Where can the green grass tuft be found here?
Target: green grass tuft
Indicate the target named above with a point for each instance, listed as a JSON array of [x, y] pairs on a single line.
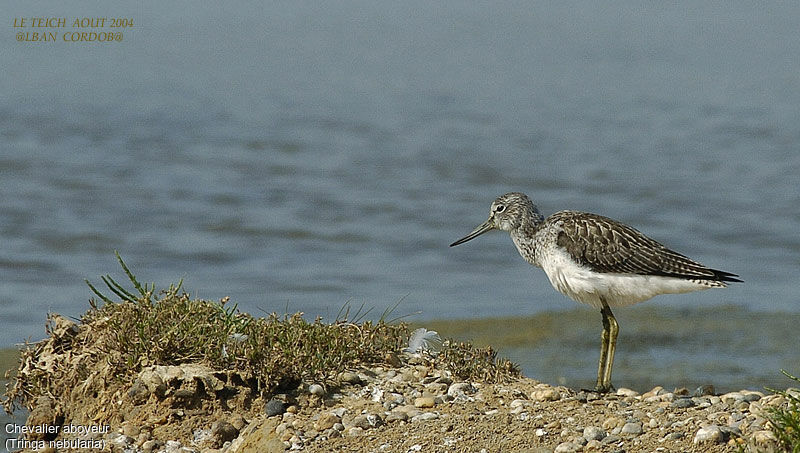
[[135, 329], [785, 421]]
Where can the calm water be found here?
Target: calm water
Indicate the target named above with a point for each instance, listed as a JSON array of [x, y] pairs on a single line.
[[298, 157]]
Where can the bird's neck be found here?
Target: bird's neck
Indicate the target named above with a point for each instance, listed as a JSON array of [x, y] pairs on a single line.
[[524, 236]]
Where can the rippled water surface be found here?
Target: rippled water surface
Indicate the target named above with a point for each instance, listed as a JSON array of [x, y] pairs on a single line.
[[298, 157]]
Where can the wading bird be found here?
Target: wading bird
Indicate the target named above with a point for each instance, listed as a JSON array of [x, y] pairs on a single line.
[[597, 261]]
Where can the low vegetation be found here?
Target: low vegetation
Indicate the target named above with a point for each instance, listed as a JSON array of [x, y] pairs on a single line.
[[129, 330], [785, 420]]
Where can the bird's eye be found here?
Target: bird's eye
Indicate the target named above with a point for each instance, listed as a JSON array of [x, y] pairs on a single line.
[[500, 208]]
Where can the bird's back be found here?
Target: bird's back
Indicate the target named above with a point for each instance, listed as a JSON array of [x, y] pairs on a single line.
[[588, 256]]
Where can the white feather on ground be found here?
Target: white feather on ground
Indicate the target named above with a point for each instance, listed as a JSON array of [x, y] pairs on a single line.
[[423, 339]]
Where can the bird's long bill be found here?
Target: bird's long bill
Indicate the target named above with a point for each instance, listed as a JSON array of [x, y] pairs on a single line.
[[484, 227]]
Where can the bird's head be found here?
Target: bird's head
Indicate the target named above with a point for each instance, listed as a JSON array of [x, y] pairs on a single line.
[[508, 212]]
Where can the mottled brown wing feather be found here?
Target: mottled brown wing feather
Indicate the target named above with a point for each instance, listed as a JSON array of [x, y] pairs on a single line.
[[608, 246]]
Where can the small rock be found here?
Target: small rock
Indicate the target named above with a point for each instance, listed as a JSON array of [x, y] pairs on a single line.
[[657, 390], [130, 430], [610, 439], [355, 431], [683, 403], [326, 421], [461, 389], [123, 441], [674, 436], [286, 435], [627, 392], [732, 397], [593, 433], [184, 396], [316, 389], [138, 392], [612, 422], [549, 394], [201, 436], [765, 439], [425, 416], [153, 381], [223, 432], [751, 396], [567, 447], [593, 445], [238, 421], [149, 446], [704, 390], [424, 402], [275, 407], [172, 446], [631, 428], [710, 434], [367, 421], [397, 416], [350, 378], [392, 359]]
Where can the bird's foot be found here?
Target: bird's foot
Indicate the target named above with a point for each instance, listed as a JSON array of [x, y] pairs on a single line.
[[600, 389]]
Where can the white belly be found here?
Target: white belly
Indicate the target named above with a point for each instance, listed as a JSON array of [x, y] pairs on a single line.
[[586, 286]]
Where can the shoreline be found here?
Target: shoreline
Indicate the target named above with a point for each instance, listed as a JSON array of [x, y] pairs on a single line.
[[731, 347], [457, 399], [414, 406]]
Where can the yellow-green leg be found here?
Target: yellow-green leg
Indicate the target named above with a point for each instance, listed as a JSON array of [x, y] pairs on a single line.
[[608, 345]]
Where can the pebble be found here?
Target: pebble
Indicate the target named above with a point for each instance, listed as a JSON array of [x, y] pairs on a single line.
[[223, 432], [172, 446], [130, 430], [610, 439], [568, 447], [612, 422], [461, 389], [274, 407], [425, 416], [326, 421], [424, 402], [634, 428], [367, 421], [710, 434], [629, 421], [627, 392], [593, 445], [593, 433], [549, 394], [765, 439], [704, 390], [674, 436], [683, 403], [396, 416], [149, 446], [350, 378], [657, 390], [354, 431]]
